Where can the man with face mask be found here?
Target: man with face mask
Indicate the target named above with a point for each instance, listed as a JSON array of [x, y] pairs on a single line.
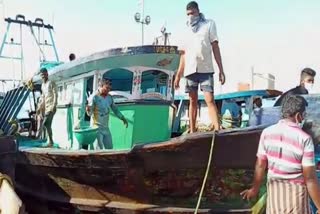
[[196, 63], [288, 153], [305, 87]]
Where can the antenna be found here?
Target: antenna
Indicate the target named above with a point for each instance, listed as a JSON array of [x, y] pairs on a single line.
[[3, 8], [164, 37]]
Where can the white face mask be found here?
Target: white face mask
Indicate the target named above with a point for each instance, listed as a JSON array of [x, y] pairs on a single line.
[[192, 19], [308, 86], [302, 123]]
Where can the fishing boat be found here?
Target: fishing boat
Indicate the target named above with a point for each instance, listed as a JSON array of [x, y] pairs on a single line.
[[149, 178], [244, 99], [147, 171]]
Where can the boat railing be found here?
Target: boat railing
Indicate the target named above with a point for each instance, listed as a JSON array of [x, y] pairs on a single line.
[[122, 94]]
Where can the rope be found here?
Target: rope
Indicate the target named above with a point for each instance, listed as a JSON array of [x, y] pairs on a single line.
[[37, 42], [206, 174], [29, 84]]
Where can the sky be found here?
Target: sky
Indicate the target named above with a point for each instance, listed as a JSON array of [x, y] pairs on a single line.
[[280, 37]]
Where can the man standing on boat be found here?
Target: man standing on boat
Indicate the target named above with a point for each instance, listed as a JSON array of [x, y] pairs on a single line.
[[306, 84], [196, 64], [49, 99], [99, 106], [288, 153]]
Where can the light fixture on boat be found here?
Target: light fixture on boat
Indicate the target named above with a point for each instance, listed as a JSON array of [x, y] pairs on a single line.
[[137, 17], [143, 21], [147, 20]]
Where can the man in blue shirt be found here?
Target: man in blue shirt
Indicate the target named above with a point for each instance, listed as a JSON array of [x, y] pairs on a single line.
[[99, 107]]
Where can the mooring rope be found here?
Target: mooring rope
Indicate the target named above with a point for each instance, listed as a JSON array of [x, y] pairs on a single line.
[[206, 174]]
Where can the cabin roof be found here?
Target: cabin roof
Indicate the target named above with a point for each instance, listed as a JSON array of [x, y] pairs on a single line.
[[94, 58], [238, 94]]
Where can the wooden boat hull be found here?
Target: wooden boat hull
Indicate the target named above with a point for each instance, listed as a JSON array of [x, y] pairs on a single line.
[[157, 176], [8, 151]]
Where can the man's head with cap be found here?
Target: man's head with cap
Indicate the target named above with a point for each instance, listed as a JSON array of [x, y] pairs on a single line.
[[44, 74]]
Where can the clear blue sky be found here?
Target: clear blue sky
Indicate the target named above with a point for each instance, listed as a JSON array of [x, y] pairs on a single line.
[[276, 36]]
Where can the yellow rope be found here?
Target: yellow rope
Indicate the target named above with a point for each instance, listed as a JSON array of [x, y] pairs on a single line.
[[29, 85], [207, 172], [14, 127], [260, 205]]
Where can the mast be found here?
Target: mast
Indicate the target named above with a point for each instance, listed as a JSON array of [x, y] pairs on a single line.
[[22, 22]]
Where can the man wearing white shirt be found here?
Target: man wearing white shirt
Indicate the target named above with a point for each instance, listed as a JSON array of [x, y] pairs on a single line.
[[49, 100], [196, 63]]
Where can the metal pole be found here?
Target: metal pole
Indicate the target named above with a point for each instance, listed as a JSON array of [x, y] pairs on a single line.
[[54, 45], [142, 23], [165, 39], [4, 38], [142, 32], [252, 78], [21, 53], [39, 39], [3, 9], [13, 70]]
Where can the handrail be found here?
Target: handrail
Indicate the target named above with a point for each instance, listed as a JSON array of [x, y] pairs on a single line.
[[121, 93]]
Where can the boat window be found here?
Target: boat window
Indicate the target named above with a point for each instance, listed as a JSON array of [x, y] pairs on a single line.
[[60, 94], [89, 91], [231, 114], [121, 79], [89, 86], [77, 92], [68, 93], [269, 102], [154, 81]]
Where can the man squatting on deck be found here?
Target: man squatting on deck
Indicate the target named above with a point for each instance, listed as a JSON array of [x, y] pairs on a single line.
[[196, 63], [48, 104], [99, 107], [288, 152]]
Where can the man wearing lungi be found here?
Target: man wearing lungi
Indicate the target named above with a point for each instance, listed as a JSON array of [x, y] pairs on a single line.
[[288, 152]]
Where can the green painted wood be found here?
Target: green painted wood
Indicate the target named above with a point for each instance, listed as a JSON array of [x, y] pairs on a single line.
[[147, 123]]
